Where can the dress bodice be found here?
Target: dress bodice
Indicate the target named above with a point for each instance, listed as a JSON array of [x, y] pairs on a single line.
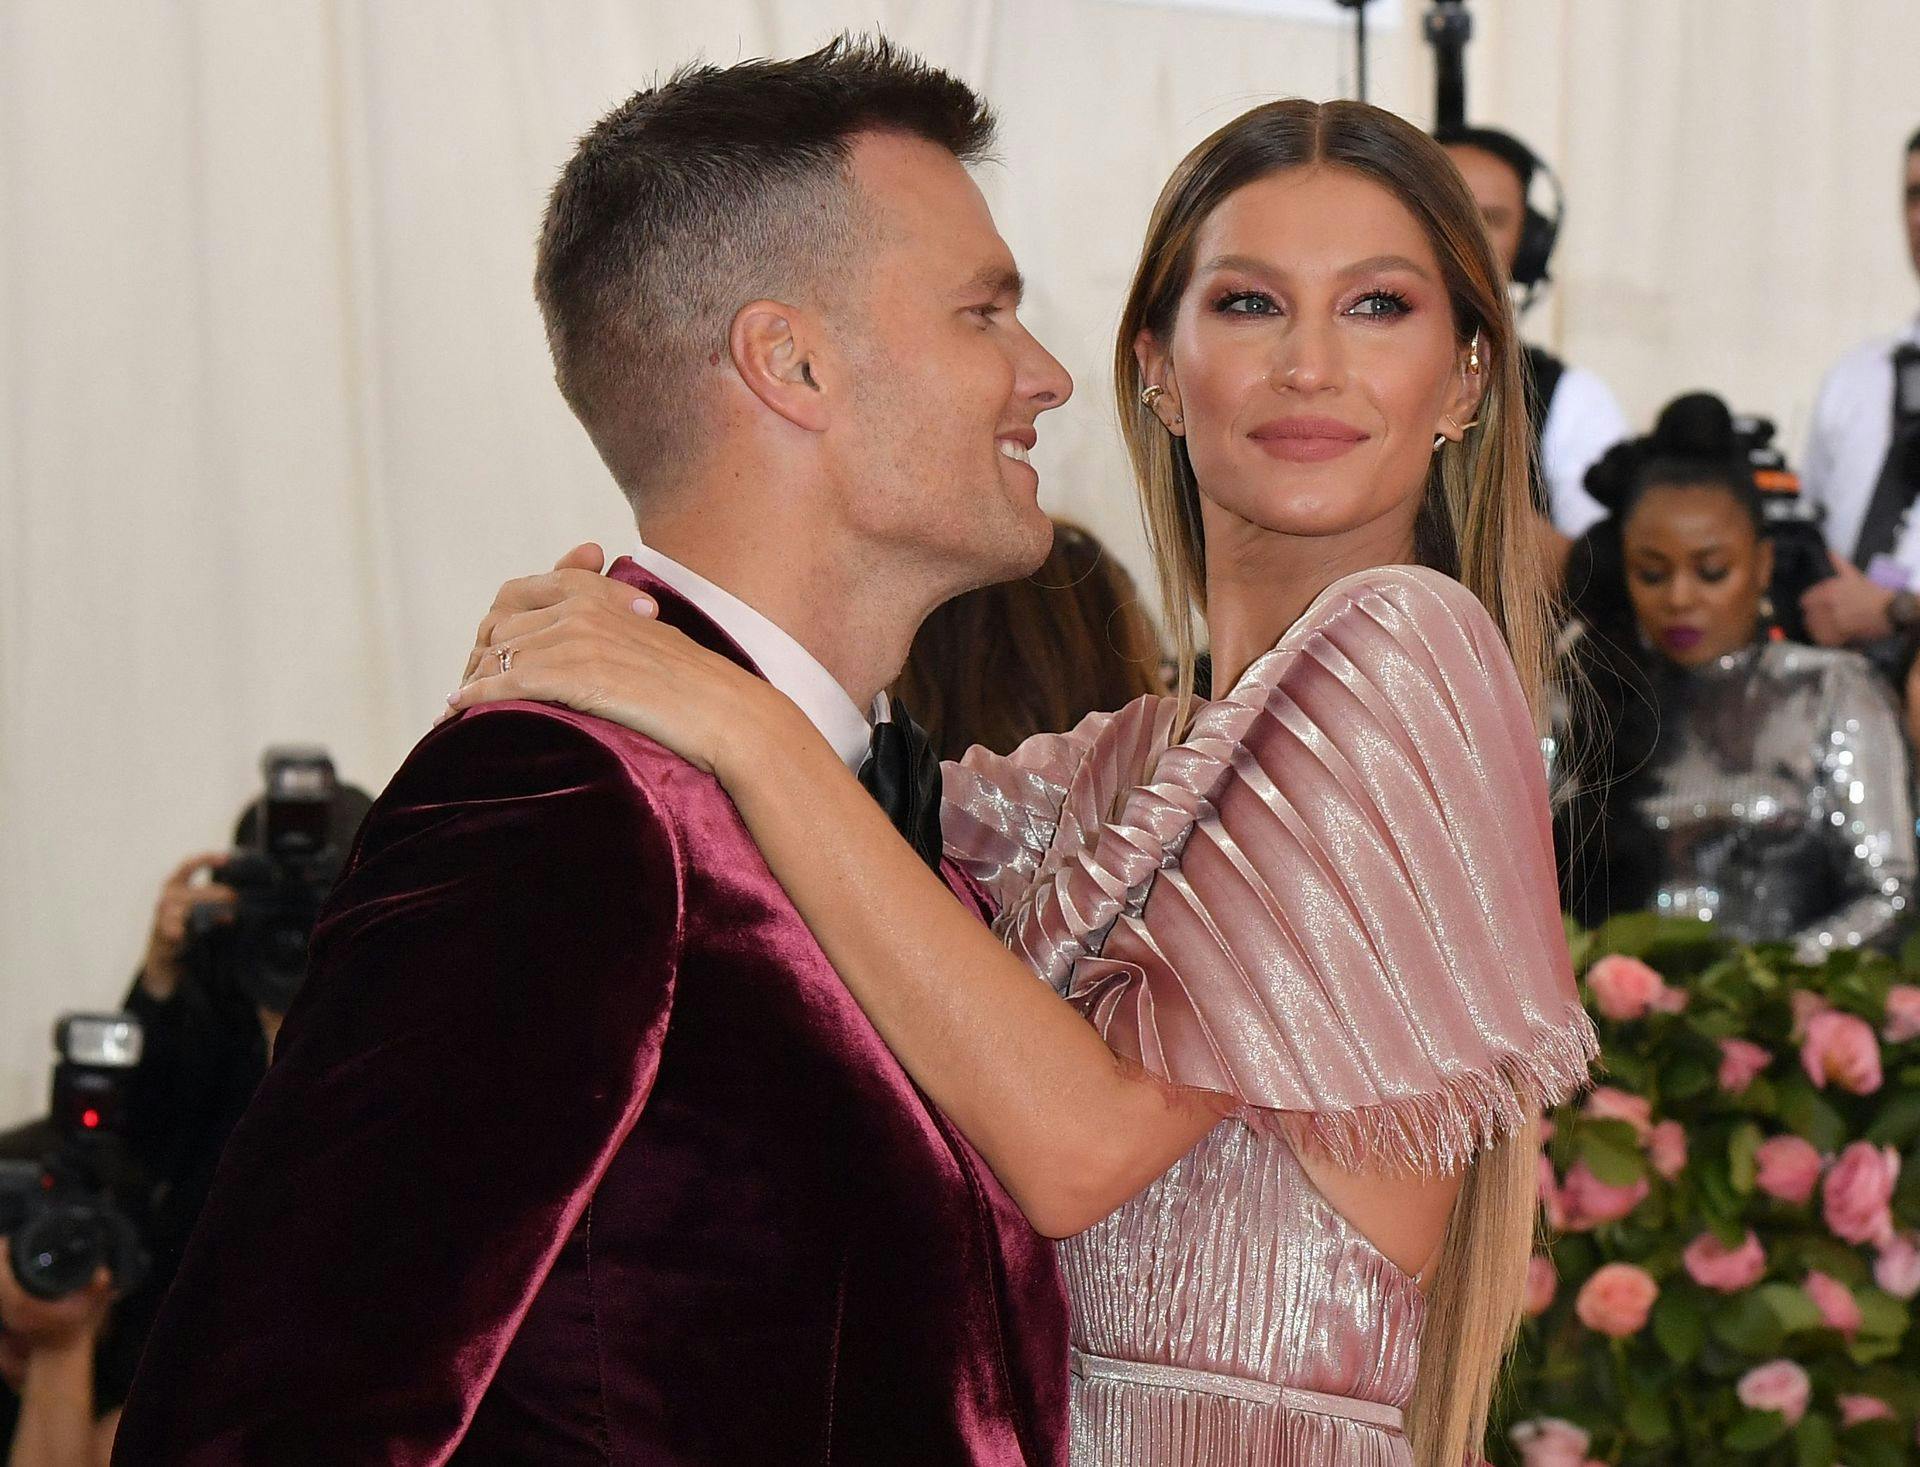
[[1776, 803], [1334, 901]]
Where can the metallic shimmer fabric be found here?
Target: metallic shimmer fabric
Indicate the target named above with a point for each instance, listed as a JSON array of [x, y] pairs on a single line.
[[1335, 901], [1778, 799]]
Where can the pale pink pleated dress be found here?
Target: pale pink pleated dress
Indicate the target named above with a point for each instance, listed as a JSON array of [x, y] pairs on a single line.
[[1335, 901]]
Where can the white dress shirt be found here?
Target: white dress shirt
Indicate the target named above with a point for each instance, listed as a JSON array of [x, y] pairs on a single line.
[[1848, 442], [787, 665], [1583, 422]]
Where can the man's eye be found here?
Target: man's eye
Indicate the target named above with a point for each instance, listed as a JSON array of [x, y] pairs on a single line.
[[1247, 303]]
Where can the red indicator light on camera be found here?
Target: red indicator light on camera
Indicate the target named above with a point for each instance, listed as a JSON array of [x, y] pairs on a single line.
[[90, 1119]]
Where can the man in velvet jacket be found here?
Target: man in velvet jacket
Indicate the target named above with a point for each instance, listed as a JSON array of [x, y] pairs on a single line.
[[574, 1148]]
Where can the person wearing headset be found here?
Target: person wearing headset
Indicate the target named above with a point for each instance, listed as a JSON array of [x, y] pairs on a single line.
[[1863, 467], [1575, 418]]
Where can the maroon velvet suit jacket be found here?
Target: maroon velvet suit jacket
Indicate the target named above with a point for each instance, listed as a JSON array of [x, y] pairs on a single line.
[[575, 1150]]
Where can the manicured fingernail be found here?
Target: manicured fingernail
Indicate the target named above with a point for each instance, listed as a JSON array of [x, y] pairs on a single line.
[[644, 605], [453, 697]]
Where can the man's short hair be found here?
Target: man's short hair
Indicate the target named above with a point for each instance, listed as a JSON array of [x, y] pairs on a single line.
[[720, 186], [1913, 143]]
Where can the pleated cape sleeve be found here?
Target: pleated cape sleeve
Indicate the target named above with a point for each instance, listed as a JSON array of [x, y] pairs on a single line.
[[1335, 899]]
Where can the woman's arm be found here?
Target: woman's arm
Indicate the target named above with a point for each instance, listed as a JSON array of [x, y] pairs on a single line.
[[1866, 768], [1070, 1129]]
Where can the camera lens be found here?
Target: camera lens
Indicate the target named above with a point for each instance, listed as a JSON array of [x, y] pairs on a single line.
[[57, 1252]]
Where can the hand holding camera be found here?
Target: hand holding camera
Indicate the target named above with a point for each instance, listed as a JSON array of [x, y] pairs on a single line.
[[186, 906]]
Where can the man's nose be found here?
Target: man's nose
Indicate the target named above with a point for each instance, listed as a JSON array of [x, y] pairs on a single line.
[[1043, 381]]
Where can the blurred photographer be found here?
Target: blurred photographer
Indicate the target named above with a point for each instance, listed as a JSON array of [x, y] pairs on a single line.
[[47, 1351], [1863, 467], [1572, 414], [225, 955]]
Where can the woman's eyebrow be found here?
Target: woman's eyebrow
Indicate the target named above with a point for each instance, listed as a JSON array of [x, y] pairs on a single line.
[[1374, 264]]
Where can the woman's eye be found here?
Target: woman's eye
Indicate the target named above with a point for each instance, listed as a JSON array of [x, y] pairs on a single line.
[[1248, 303], [1649, 577], [1380, 303], [1712, 574]]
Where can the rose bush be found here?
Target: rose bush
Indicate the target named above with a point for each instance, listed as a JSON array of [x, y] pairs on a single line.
[[1733, 1215]]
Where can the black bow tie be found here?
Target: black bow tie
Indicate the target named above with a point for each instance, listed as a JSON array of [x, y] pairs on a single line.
[[902, 773]]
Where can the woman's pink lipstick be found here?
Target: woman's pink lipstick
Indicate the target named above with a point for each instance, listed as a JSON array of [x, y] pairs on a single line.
[[1681, 639], [1306, 440]]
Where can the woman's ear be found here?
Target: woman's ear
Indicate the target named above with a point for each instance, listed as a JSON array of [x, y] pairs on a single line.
[[1156, 370], [776, 352], [1469, 390]]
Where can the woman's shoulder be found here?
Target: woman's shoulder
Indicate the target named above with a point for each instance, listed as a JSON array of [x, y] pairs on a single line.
[[1404, 642], [1842, 675]]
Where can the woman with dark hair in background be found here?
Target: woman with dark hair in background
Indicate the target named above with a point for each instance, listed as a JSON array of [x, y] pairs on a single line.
[[1722, 772], [998, 665]]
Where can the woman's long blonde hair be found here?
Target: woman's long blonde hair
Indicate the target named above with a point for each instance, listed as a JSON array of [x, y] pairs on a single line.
[[1475, 523]]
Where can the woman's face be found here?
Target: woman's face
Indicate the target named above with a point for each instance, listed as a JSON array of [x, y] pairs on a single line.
[[1313, 358], [1696, 571]]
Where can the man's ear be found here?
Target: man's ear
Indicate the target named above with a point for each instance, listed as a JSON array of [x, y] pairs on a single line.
[[775, 351]]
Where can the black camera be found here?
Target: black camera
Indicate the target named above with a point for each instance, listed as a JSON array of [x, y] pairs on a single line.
[[1795, 527], [282, 871], [61, 1215]]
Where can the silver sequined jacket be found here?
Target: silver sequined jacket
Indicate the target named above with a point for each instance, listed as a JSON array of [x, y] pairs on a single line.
[[1778, 799]]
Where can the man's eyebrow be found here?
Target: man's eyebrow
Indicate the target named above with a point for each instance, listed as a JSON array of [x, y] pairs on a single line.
[[1359, 267], [997, 280]]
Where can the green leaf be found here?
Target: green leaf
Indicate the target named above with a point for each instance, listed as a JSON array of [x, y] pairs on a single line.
[[1791, 1306], [1755, 1430], [1814, 1444], [1910, 953], [1679, 1326], [1741, 1148], [1688, 1078], [1647, 1419], [1808, 1114], [1612, 1152], [1746, 1325], [1898, 1122], [1882, 1316]]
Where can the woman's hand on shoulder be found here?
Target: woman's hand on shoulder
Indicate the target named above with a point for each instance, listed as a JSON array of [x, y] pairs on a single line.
[[583, 640]]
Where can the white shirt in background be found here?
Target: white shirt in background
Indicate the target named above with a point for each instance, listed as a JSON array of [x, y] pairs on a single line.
[[787, 665], [1848, 442], [1583, 422]]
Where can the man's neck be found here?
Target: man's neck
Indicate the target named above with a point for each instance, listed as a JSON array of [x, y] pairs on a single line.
[[846, 620]]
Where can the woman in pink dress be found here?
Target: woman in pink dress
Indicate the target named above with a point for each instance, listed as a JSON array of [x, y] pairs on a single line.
[[1316, 985]]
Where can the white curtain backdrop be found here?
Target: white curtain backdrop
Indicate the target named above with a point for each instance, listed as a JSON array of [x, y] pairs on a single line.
[[277, 412]]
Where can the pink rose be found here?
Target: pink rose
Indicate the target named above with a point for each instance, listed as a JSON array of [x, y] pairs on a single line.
[[1805, 1004], [1779, 1385], [1623, 988], [1616, 1299], [1858, 1190], [1588, 1201], [1542, 1284], [1855, 1409], [1547, 1441], [1897, 1269], [1609, 1104], [1842, 1048], [1740, 1061], [1903, 1014], [1670, 1000], [1838, 1308], [1787, 1167], [1667, 1149], [1713, 1265]]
